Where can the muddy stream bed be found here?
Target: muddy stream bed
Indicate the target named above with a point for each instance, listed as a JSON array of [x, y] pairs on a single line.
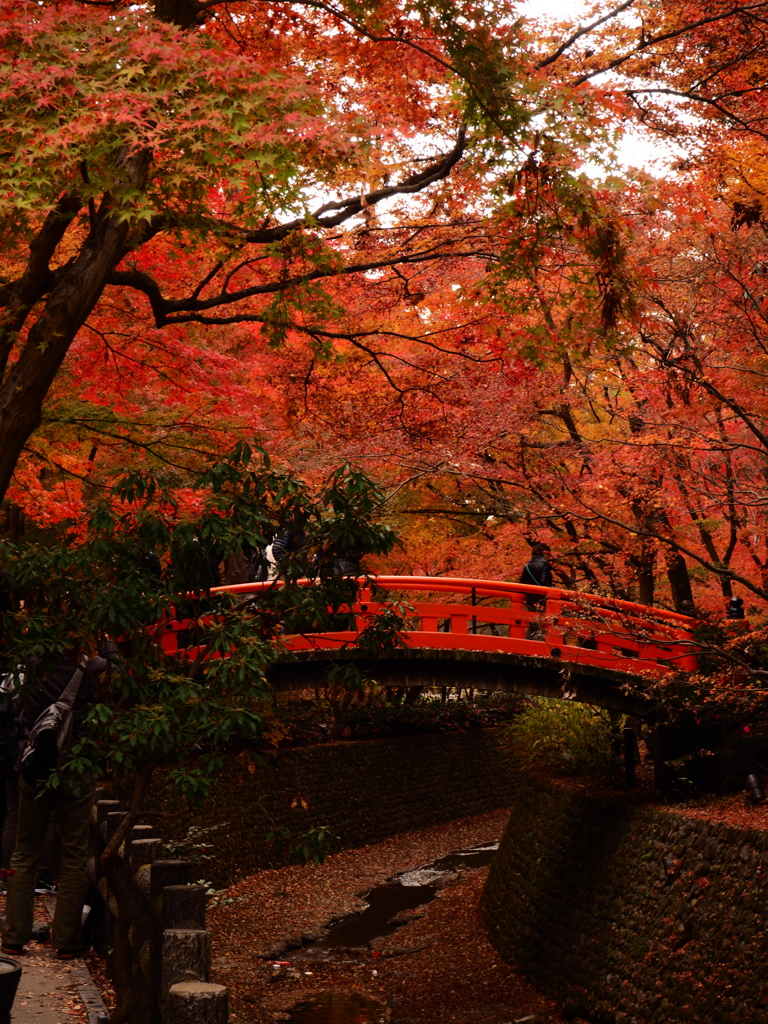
[[386, 911], [385, 934]]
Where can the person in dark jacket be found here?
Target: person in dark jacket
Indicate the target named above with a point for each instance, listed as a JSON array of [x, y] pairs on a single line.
[[537, 572], [72, 801], [287, 550]]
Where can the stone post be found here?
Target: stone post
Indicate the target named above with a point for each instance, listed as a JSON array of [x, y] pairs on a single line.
[[105, 807], [166, 872], [169, 946], [186, 957], [114, 820], [184, 906], [163, 874], [140, 855], [195, 1002]]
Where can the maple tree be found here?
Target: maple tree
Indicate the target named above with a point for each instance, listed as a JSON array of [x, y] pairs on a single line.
[[639, 451], [363, 231], [195, 164], [637, 460], [187, 166]]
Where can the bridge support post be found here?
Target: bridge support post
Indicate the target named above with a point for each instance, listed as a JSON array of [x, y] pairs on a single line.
[[662, 749], [630, 750]]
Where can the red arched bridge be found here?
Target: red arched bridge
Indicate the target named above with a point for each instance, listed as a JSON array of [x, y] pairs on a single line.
[[490, 635]]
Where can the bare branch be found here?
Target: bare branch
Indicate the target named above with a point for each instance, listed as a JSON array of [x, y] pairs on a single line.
[[581, 31]]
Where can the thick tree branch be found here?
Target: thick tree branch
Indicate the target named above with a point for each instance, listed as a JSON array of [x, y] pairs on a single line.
[[193, 310], [648, 41], [402, 40], [705, 101], [346, 208], [582, 31], [79, 286]]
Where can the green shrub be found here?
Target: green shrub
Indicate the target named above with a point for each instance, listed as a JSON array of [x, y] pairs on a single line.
[[311, 847], [430, 714], [562, 735]]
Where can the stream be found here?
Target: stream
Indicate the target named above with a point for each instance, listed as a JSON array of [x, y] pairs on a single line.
[[387, 907]]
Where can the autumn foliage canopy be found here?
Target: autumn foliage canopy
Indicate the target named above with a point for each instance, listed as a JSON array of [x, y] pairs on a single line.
[[397, 234]]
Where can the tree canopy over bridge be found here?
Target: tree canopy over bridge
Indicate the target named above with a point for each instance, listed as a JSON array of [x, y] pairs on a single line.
[[396, 232]]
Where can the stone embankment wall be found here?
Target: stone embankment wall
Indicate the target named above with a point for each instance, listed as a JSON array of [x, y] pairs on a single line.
[[363, 790], [628, 914]]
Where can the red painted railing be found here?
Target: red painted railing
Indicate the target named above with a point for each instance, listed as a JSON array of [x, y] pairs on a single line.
[[509, 618]]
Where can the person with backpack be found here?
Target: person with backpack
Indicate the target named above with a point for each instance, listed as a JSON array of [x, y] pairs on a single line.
[[11, 747], [287, 548], [55, 702]]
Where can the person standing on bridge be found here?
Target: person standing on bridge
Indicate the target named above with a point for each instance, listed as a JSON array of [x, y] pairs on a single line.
[[537, 572]]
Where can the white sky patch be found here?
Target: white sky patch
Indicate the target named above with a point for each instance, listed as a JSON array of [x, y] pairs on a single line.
[[552, 8], [637, 148]]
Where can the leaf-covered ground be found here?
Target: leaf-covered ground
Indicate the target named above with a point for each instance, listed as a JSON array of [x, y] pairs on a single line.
[[438, 967], [731, 810]]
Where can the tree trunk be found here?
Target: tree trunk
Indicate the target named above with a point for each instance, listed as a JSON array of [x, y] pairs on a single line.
[[184, 13], [15, 523], [66, 309], [644, 565], [122, 951], [680, 584]]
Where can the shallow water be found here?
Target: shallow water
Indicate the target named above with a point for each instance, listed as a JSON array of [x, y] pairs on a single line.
[[406, 892], [338, 1008], [477, 857], [384, 903]]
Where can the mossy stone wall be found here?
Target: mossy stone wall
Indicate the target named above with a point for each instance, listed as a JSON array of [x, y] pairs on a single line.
[[364, 791], [629, 914]]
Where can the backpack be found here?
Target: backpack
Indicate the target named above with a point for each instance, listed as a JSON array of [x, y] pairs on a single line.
[[11, 729], [263, 566], [51, 735]]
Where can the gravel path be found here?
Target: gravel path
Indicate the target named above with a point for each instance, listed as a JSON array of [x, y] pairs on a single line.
[[438, 967]]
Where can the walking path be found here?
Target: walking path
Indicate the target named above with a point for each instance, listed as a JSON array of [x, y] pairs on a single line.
[[54, 991]]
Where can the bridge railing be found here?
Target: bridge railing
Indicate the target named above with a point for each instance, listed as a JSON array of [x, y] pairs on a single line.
[[506, 618]]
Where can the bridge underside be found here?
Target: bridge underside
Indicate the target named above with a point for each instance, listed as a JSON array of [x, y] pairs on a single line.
[[481, 670]]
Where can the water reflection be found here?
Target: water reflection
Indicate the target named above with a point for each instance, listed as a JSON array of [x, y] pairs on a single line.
[[338, 1008], [384, 903]]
